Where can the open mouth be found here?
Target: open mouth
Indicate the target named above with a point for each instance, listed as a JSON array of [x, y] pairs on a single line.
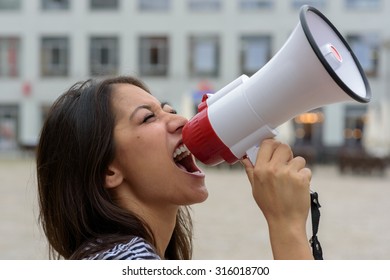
[[184, 160]]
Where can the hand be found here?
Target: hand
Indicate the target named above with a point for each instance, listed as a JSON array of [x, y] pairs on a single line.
[[281, 189]]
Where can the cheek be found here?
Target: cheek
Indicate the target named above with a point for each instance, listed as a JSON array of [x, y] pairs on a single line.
[[131, 146], [144, 152], [151, 186], [142, 156]]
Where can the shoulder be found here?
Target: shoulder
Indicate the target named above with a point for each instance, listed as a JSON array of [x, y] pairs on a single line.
[[136, 249]]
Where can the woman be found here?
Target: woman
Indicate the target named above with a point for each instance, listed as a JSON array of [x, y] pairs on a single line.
[[115, 179]]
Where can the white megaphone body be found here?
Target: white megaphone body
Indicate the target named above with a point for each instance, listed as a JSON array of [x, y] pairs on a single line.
[[315, 67]]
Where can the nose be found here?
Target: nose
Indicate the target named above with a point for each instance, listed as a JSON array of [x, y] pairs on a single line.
[[175, 122]]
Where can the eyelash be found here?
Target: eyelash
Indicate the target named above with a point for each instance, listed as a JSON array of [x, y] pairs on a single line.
[[152, 115], [147, 117]]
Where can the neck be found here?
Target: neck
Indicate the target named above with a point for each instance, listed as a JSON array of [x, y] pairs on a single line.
[[162, 223], [160, 219]]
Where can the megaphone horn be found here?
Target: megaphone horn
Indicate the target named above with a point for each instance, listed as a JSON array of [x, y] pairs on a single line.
[[315, 67]]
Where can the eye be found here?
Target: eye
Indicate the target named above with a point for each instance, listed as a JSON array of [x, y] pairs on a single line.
[[149, 117]]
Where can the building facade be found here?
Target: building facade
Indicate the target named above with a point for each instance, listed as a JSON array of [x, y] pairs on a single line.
[[181, 49]]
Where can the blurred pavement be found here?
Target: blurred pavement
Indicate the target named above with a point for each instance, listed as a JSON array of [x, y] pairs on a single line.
[[354, 215]]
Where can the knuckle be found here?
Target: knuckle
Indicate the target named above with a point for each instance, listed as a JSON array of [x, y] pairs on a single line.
[[270, 142], [300, 160]]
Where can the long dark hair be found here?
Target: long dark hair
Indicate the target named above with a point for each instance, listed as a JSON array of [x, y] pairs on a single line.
[[75, 148]]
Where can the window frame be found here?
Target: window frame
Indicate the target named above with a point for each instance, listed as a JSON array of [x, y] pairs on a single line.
[[367, 44], [97, 5], [110, 46], [154, 55], [245, 41], [151, 6], [10, 60], [363, 4], [319, 4], [10, 5], [255, 5], [55, 48], [50, 5], [204, 5], [199, 46]]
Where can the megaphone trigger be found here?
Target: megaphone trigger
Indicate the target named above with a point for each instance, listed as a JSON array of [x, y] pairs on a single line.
[[252, 154]]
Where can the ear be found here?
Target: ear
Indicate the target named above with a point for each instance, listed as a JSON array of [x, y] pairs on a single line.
[[113, 178]]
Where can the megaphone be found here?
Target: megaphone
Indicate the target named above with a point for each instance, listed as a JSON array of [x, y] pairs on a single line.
[[315, 67]]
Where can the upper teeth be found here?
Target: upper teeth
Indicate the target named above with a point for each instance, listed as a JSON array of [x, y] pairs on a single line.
[[181, 152]]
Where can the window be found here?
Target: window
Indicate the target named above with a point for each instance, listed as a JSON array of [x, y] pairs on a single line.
[[104, 56], [55, 4], [9, 57], [354, 125], [104, 4], [10, 4], [204, 5], [153, 5], [362, 4], [366, 49], [315, 3], [255, 53], [8, 127], [54, 56], [153, 59], [309, 129], [249, 5], [204, 56]]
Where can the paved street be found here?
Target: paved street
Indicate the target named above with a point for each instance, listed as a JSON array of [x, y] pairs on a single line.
[[354, 223]]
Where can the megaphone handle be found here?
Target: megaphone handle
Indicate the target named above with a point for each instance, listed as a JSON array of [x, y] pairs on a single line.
[[315, 220]]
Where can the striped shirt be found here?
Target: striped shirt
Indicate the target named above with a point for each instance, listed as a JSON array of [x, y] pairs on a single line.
[[136, 249]]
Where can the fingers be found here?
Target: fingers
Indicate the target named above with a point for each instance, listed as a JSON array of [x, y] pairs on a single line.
[[306, 172], [283, 154], [277, 168], [246, 163], [275, 158], [248, 168], [266, 151], [298, 164], [273, 151]]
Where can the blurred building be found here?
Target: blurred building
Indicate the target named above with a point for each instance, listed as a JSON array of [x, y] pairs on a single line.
[[179, 48]]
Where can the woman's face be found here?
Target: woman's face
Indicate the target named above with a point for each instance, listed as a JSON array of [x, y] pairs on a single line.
[[149, 151]]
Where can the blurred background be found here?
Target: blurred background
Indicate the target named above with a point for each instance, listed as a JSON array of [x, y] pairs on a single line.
[[183, 49]]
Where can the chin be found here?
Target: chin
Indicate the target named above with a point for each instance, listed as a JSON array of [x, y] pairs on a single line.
[[201, 196]]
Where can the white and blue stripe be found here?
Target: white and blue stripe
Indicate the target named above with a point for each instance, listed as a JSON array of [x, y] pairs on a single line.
[[136, 249]]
